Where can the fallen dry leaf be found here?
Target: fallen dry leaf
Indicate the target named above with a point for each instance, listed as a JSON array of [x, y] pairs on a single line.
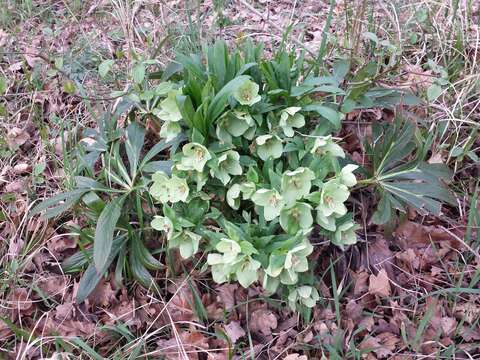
[[17, 137], [21, 168], [234, 331], [263, 321], [188, 345], [380, 284], [295, 356], [16, 186]]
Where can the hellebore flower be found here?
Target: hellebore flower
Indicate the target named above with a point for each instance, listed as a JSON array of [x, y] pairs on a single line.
[[299, 216], [288, 265], [296, 184], [233, 194], [169, 110], [289, 119], [271, 201], [269, 146], [332, 197], [346, 175], [304, 295], [326, 222], [170, 130], [345, 234], [166, 189], [163, 223], [246, 271], [325, 145], [247, 93], [234, 123], [187, 242], [228, 164], [195, 156]]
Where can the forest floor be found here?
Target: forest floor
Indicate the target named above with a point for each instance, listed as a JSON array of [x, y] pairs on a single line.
[[405, 291]]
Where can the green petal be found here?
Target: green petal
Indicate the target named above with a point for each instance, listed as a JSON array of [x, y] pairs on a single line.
[[233, 196], [296, 184], [346, 175], [269, 146], [170, 130], [299, 216], [195, 156], [162, 223]]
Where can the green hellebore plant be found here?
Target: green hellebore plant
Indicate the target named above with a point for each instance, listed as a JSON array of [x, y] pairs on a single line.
[[296, 184], [195, 156], [165, 189], [296, 217], [269, 146], [187, 242], [271, 201], [304, 295], [247, 93], [290, 118], [345, 234], [163, 223], [332, 197], [346, 175], [246, 270], [324, 145], [228, 164]]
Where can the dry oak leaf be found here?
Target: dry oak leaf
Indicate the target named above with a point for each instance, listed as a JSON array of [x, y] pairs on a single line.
[[380, 284], [263, 321], [16, 137], [188, 345], [234, 331]]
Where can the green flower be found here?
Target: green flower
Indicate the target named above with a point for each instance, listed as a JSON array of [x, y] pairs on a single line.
[[234, 123], [166, 189], [345, 234], [233, 196], [163, 223], [169, 110], [195, 156], [246, 271], [296, 184], [289, 119], [303, 295], [170, 130], [287, 265], [228, 164], [271, 201], [298, 216], [232, 261], [247, 93], [270, 284], [269, 146], [332, 197], [325, 145], [346, 175], [326, 222], [187, 242], [229, 248]]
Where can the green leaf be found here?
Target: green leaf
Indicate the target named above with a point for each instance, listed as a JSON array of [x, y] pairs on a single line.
[[106, 223], [138, 73], [333, 116], [91, 277], [105, 67], [133, 145], [3, 85], [433, 92], [58, 204]]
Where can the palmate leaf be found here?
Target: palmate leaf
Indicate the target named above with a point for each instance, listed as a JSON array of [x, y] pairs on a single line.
[[401, 181]]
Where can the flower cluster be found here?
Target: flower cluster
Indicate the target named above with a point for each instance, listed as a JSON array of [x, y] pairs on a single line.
[[266, 185]]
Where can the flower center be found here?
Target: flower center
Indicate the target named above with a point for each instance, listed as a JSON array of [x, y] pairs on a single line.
[[329, 200], [246, 96], [273, 201], [199, 154]]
